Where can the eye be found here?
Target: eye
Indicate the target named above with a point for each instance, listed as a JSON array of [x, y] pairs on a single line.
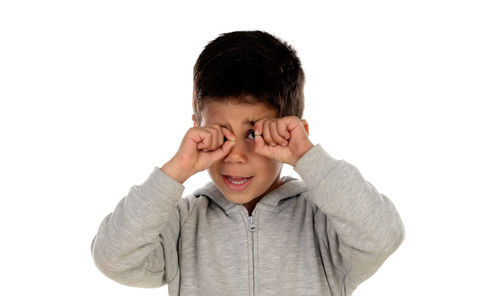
[[251, 134]]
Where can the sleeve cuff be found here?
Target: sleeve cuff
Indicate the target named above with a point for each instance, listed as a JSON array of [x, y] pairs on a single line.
[[160, 185]]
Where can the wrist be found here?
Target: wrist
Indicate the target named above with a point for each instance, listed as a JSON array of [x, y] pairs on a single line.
[[303, 150], [175, 172]]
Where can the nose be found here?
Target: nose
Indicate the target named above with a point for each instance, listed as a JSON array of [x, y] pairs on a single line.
[[238, 154]]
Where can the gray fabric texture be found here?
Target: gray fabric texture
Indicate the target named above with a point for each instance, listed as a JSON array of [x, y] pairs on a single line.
[[322, 235]]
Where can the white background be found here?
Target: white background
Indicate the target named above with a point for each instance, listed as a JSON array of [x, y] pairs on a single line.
[[94, 94]]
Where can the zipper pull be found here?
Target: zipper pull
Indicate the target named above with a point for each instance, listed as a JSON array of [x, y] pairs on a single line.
[[252, 224]]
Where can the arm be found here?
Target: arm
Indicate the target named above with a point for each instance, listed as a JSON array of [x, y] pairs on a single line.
[[136, 245], [365, 223]]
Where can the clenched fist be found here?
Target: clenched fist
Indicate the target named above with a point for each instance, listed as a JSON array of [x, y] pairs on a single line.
[[283, 139], [200, 147]]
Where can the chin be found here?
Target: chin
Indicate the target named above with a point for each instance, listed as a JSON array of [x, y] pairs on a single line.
[[234, 197]]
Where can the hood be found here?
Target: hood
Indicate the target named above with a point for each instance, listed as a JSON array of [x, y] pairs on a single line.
[[291, 187]]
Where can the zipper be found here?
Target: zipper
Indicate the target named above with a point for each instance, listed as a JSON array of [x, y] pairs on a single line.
[[252, 224], [252, 228]]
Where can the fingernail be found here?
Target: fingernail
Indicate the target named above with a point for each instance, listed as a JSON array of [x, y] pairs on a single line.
[[283, 144], [273, 144]]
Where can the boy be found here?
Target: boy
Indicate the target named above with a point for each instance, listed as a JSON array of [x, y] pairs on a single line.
[[249, 232]]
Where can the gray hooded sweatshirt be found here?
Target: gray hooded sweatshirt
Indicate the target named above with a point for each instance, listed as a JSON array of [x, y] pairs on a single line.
[[322, 235]]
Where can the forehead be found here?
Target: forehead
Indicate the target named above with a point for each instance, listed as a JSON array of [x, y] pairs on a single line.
[[236, 113]]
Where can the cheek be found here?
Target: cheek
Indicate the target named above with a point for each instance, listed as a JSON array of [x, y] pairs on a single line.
[[267, 166], [213, 170]]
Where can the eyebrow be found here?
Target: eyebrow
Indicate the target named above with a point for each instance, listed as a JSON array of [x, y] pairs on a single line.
[[246, 122], [250, 122]]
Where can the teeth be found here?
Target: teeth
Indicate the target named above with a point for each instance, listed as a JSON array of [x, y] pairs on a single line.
[[243, 180]]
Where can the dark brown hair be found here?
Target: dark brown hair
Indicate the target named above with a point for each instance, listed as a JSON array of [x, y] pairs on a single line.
[[250, 67]]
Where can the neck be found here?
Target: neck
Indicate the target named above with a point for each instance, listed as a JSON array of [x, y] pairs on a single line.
[[251, 204]]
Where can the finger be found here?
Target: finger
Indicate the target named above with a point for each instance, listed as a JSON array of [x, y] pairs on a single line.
[[228, 135], [223, 150], [206, 140], [260, 146], [220, 133], [275, 135], [267, 134], [215, 138], [216, 135], [257, 127], [202, 138], [281, 126]]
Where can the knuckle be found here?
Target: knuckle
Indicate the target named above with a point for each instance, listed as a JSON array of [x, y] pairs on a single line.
[[265, 131]]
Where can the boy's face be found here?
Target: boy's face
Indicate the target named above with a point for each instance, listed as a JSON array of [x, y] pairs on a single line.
[[242, 161]]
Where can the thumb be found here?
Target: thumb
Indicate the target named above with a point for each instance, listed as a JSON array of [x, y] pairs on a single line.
[[260, 146], [223, 150], [228, 134]]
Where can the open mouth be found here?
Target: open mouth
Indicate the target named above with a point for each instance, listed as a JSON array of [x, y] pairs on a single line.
[[237, 183]]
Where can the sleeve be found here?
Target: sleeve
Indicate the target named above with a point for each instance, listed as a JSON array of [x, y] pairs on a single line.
[[363, 226], [136, 244]]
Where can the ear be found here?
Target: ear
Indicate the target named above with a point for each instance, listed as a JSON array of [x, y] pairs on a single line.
[[194, 121], [306, 126]]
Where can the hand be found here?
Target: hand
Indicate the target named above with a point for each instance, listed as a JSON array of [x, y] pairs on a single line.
[[283, 139], [200, 148]]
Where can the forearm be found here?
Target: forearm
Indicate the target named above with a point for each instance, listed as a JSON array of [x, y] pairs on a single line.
[[128, 242], [363, 218], [174, 172]]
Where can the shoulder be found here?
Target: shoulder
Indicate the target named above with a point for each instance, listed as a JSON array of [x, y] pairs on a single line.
[[303, 202], [295, 197], [189, 204], [307, 203]]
